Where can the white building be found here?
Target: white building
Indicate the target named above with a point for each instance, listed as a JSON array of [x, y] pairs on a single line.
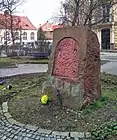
[[24, 30]]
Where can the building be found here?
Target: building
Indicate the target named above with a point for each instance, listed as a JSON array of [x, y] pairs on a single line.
[[23, 30], [107, 29], [48, 29]]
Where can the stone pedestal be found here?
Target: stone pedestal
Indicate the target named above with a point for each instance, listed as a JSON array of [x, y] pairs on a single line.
[[75, 65]]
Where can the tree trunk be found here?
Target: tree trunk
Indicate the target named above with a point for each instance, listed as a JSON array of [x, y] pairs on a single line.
[[90, 16], [76, 14], [11, 28]]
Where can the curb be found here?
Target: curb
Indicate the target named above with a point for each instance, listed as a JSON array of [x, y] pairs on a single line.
[[23, 74], [61, 135]]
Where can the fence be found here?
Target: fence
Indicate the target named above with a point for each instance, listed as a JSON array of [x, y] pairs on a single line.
[[29, 49]]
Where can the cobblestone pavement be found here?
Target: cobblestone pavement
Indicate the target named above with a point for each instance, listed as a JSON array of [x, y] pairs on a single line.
[[9, 130], [13, 132]]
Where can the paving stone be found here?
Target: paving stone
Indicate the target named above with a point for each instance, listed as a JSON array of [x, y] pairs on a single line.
[[60, 133], [88, 135], [30, 139], [8, 139], [28, 135], [12, 121], [10, 126], [5, 107], [5, 132], [1, 135], [33, 128], [23, 130], [27, 131], [8, 134], [17, 131], [20, 138], [19, 124], [42, 138], [15, 127], [20, 133], [44, 131], [15, 137], [77, 134], [58, 137], [7, 115], [11, 136], [42, 134], [1, 111], [3, 138], [13, 131], [53, 139], [76, 139], [1, 131], [69, 138], [48, 138], [24, 134], [37, 138], [33, 136], [46, 135], [6, 123], [25, 138], [63, 137]]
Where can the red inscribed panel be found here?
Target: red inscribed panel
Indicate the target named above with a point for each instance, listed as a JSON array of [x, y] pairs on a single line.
[[66, 59]]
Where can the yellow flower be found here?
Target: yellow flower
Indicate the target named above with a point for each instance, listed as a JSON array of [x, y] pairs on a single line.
[[44, 99]]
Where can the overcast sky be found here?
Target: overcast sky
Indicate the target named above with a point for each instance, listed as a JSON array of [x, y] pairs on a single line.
[[39, 11]]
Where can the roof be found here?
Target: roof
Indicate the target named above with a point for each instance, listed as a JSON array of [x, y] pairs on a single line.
[[18, 21], [50, 27], [57, 26]]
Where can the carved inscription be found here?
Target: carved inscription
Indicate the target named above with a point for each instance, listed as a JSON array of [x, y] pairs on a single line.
[[66, 59]]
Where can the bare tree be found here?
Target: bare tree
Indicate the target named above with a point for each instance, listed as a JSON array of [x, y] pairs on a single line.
[[85, 12], [10, 6]]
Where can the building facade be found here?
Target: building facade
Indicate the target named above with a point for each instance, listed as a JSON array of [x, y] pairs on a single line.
[[107, 29], [23, 30], [48, 29]]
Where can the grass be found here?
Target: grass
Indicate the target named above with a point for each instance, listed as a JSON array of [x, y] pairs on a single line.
[[6, 63], [25, 107], [10, 62]]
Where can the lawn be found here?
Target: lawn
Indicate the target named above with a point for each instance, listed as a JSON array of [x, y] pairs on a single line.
[[11, 62], [6, 63], [99, 118]]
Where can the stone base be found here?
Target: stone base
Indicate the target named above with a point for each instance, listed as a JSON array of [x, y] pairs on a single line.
[[71, 94]]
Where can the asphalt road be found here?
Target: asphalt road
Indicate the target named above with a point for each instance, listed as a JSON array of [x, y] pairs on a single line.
[[109, 67], [24, 69]]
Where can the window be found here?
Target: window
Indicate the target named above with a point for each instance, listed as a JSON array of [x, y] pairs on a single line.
[[106, 12], [16, 35], [7, 35], [24, 36], [32, 36]]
